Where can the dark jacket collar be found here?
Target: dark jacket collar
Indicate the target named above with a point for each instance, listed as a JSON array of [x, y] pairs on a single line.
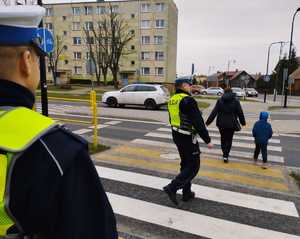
[[180, 91], [12, 94]]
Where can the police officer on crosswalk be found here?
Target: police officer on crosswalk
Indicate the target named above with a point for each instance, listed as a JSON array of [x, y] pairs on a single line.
[[49, 188], [186, 122]]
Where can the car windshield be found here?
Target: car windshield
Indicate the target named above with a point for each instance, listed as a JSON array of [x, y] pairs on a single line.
[[165, 90], [237, 89], [251, 89]]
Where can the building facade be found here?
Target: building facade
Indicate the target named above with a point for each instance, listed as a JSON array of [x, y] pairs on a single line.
[[153, 49]]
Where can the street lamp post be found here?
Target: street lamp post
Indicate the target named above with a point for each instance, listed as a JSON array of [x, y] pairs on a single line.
[[286, 82], [267, 71], [228, 67], [44, 97]]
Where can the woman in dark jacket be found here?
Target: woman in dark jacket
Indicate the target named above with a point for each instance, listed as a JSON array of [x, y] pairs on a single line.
[[227, 110]]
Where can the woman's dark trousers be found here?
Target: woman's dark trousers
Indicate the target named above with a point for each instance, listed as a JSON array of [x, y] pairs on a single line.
[[226, 141]]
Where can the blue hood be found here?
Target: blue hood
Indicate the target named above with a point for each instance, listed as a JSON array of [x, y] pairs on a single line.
[[264, 116]]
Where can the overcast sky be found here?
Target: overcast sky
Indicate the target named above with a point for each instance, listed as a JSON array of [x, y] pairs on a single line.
[[212, 32]]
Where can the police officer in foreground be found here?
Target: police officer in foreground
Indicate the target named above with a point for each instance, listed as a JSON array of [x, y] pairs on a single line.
[[49, 188], [186, 122]]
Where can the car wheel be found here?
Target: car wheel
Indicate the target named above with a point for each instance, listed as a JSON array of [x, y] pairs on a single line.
[[204, 93], [196, 93], [219, 94], [150, 104], [112, 102]]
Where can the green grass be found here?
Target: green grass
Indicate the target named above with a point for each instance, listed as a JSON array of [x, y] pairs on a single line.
[[270, 108], [296, 177], [203, 105], [100, 148]]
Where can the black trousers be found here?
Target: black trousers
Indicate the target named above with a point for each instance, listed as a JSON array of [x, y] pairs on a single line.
[[226, 141], [263, 148], [190, 162]]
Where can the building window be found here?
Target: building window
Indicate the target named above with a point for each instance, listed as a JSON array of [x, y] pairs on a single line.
[[159, 71], [76, 11], [115, 9], [159, 56], [76, 40], [145, 40], [76, 26], [77, 70], [88, 26], [132, 15], [133, 47], [160, 23], [145, 55], [133, 63], [90, 40], [49, 26], [145, 71], [145, 24], [160, 7], [66, 62], [145, 7], [101, 10], [64, 18], [88, 55], [77, 55], [158, 40], [88, 10], [65, 33], [65, 47], [49, 12]]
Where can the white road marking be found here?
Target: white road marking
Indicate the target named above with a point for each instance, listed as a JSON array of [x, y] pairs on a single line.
[[271, 158], [217, 142], [290, 135], [99, 126], [208, 193], [236, 136], [113, 122], [189, 222], [82, 131]]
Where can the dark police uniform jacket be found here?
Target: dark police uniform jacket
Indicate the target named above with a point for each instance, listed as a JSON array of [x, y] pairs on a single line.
[[47, 204], [189, 107]]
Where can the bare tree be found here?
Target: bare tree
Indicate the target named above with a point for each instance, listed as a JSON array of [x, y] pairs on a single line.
[[5, 2], [119, 39], [54, 57]]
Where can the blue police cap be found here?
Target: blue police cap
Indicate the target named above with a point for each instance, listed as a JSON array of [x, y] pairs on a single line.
[[186, 79], [19, 27]]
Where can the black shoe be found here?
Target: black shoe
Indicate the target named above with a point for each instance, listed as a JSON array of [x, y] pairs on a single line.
[[188, 196], [225, 160], [171, 195]]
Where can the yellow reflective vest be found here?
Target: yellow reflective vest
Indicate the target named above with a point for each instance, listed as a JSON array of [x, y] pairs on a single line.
[[19, 128]]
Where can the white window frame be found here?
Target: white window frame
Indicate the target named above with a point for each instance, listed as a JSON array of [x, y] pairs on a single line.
[[147, 26], [101, 10], [75, 11], [158, 23], [115, 9], [76, 26], [88, 26], [159, 56], [160, 7], [158, 40], [49, 11], [49, 26], [77, 41], [88, 10], [157, 69], [144, 42], [88, 56], [145, 56], [145, 7], [143, 71], [77, 70], [77, 55]]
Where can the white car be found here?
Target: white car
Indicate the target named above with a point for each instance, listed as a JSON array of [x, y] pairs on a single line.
[[251, 92], [213, 91], [151, 96], [239, 92]]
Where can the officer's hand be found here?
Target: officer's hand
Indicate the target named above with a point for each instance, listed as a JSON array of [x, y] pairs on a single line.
[[210, 145]]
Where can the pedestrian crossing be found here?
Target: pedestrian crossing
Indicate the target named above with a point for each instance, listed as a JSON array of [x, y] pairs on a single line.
[[215, 213], [242, 146]]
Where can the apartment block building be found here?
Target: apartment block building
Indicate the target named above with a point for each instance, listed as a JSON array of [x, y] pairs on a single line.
[[153, 49]]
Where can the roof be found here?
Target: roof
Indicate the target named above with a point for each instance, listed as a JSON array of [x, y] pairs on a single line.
[[296, 74]]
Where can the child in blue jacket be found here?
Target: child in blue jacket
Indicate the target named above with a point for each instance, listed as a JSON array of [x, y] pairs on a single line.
[[262, 132]]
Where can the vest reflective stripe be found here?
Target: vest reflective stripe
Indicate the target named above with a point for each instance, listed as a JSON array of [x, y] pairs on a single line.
[[20, 128], [174, 111]]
